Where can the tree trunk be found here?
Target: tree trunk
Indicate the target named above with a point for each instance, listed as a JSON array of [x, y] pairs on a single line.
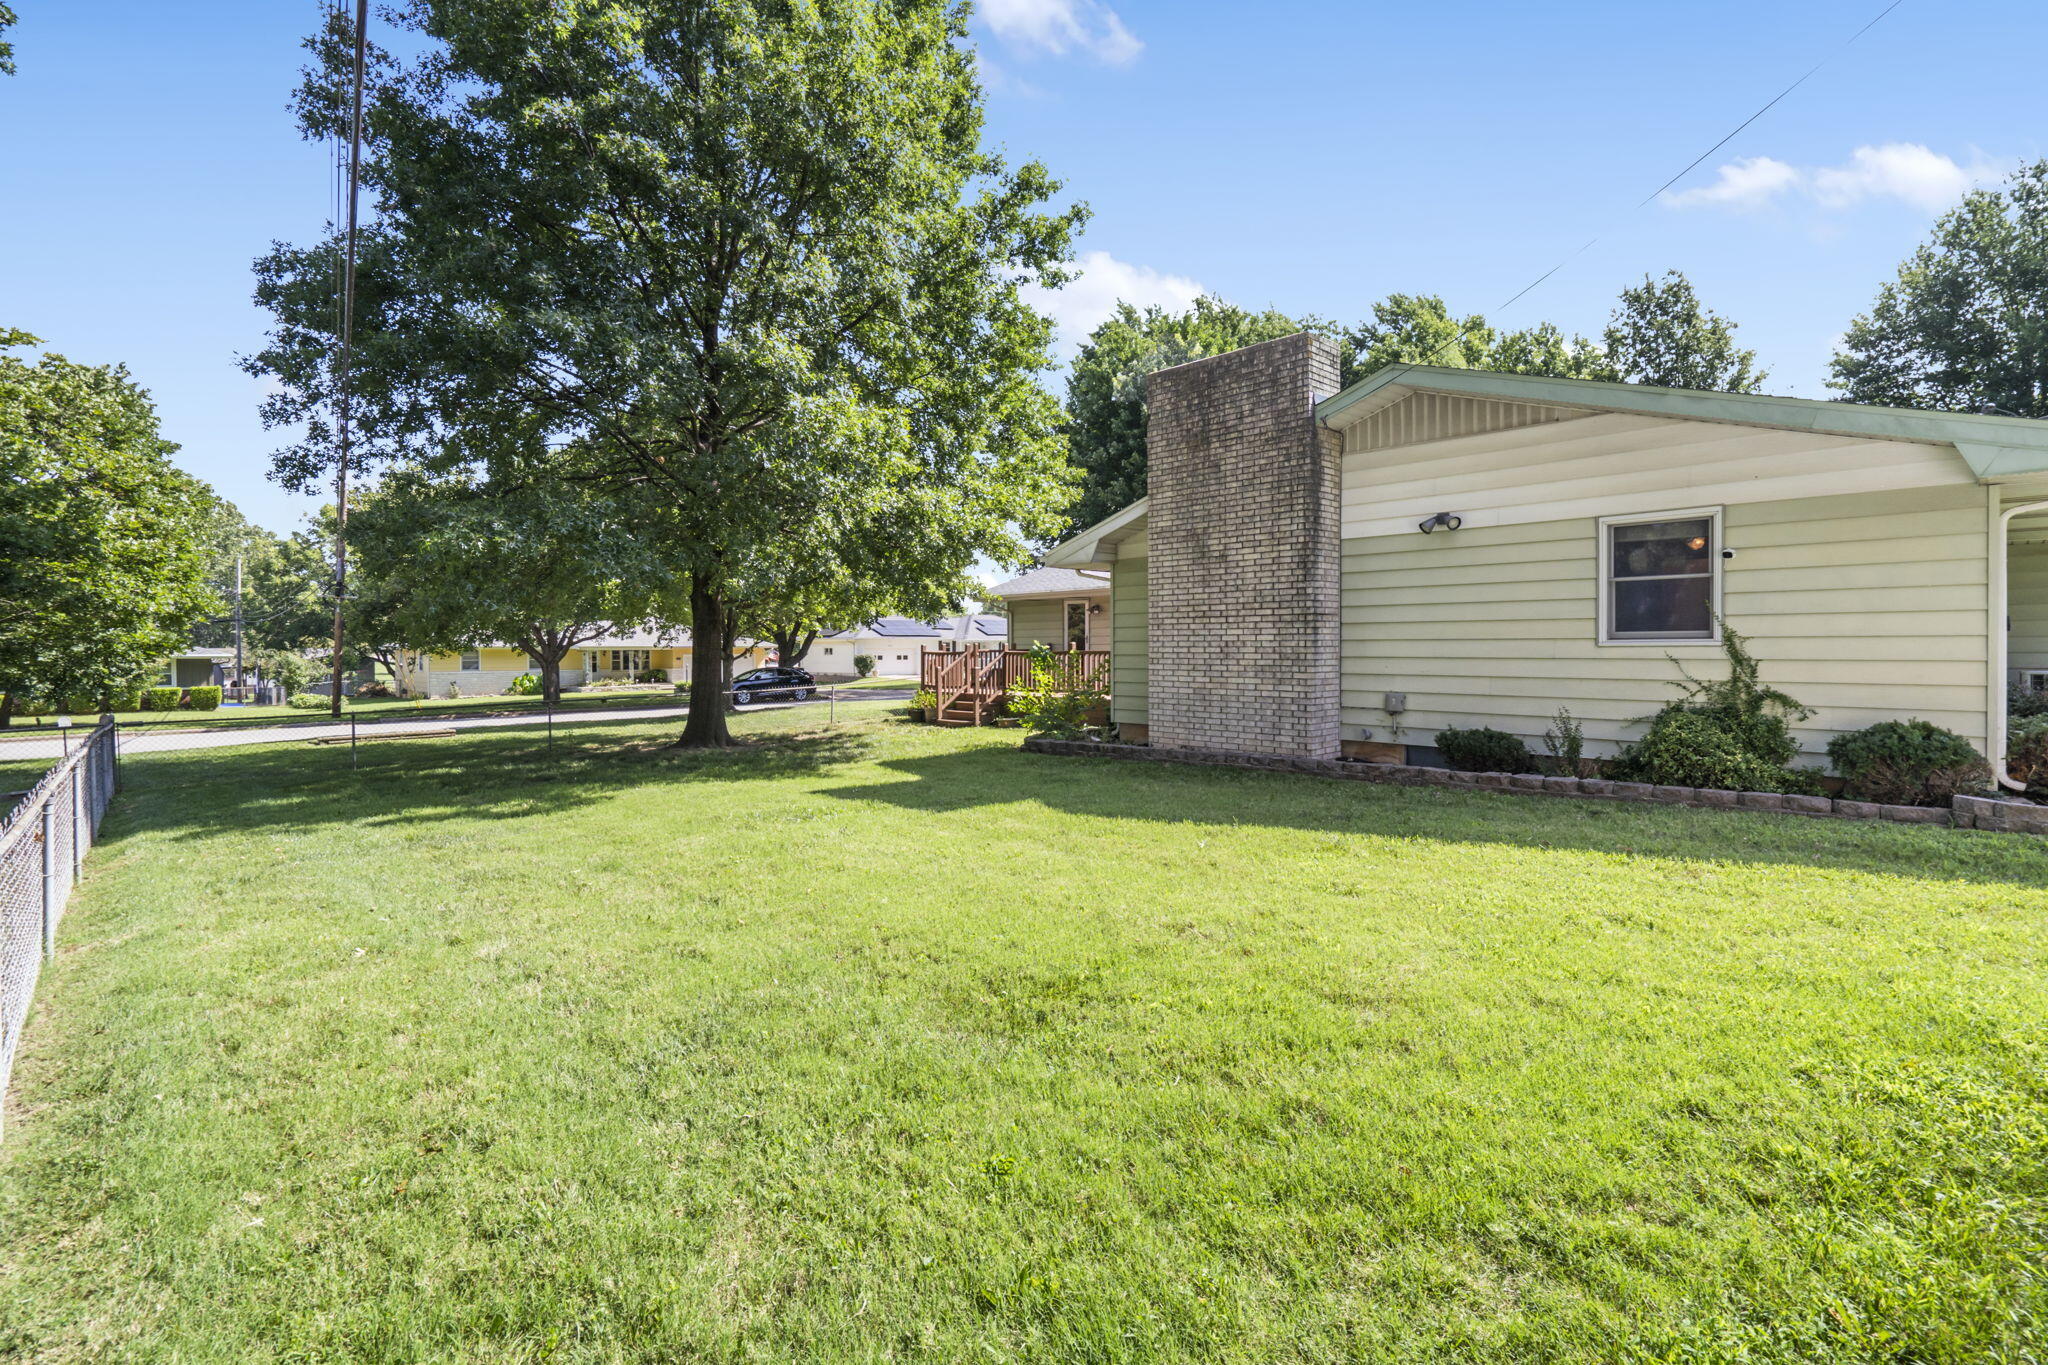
[[551, 677], [6, 709], [792, 643], [706, 728]]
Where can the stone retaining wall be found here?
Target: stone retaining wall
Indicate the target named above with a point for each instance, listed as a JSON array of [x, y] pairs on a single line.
[[1969, 812]]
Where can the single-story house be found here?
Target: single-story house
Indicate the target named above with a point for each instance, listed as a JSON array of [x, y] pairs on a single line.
[[621, 653], [896, 642], [201, 666], [1318, 572], [1060, 607]]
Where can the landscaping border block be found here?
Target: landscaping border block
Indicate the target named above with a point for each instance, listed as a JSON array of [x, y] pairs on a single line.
[[1969, 812]]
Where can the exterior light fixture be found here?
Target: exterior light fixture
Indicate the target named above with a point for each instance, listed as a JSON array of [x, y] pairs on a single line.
[[1450, 521]]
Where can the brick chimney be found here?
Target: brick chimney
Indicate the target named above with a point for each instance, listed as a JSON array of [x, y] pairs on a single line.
[[1242, 605]]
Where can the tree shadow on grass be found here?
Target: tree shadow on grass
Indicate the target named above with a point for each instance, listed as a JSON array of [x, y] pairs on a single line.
[[509, 772], [1164, 793]]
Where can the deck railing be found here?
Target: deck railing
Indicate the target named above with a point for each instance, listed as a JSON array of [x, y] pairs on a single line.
[[972, 679]]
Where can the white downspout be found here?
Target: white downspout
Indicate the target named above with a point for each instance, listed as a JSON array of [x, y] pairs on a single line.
[[2001, 640]]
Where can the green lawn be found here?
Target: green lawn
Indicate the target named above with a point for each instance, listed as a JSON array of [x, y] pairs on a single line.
[[897, 1043]]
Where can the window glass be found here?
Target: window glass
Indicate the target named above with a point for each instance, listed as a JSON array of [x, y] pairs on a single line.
[[472, 660], [1077, 625], [1661, 579]]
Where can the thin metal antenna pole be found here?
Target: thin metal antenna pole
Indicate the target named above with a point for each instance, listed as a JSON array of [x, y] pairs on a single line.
[[348, 309]]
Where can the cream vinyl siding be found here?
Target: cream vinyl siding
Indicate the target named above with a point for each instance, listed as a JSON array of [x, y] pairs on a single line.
[[2027, 592], [1865, 606], [1127, 640], [1615, 464]]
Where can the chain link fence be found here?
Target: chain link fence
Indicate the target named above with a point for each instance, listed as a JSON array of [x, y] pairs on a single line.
[[43, 843]]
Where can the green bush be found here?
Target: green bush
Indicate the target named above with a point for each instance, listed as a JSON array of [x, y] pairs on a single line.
[[127, 698], [927, 701], [2026, 752], [864, 664], [1484, 750], [1700, 749], [1566, 742], [1047, 702], [526, 685], [651, 675], [202, 698], [162, 698], [306, 701], [1737, 735], [1907, 763]]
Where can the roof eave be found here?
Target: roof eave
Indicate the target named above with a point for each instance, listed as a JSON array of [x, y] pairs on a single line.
[[1083, 549], [1993, 446]]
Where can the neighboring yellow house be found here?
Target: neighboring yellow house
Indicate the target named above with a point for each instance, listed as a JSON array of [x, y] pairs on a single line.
[[625, 656]]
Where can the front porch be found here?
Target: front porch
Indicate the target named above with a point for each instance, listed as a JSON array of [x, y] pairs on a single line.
[[971, 684]]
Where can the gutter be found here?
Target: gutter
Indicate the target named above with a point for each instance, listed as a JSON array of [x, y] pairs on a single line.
[[2001, 641]]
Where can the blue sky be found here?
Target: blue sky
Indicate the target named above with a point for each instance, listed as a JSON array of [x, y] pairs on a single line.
[[1312, 157]]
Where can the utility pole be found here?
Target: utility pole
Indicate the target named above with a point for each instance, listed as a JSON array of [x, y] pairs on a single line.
[[241, 679], [348, 310]]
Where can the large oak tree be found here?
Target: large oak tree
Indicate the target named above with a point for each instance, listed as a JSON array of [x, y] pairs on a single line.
[[742, 258]]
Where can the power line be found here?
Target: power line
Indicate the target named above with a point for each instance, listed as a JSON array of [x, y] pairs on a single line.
[[1690, 166]]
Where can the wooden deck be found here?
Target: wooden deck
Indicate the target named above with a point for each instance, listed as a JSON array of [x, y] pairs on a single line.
[[972, 684]]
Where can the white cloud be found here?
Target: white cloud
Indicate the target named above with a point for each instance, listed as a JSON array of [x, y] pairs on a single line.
[[1905, 171], [1740, 184], [1899, 170], [1058, 27], [1103, 282]]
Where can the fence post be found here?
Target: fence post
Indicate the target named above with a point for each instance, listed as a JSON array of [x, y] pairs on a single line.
[[49, 878], [77, 823], [551, 724], [351, 737]]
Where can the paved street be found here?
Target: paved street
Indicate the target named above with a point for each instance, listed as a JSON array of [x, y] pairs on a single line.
[[143, 739]]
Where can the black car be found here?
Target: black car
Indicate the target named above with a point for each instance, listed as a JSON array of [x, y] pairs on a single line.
[[772, 684]]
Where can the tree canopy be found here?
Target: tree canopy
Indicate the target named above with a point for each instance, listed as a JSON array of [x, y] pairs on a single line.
[[1659, 333], [742, 258], [7, 21], [543, 569], [1964, 326], [102, 560]]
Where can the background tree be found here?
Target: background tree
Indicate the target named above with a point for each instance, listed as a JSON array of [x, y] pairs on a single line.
[[739, 257], [102, 566], [1964, 327], [1661, 334], [1105, 411], [280, 577], [7, 20], [544, 569]]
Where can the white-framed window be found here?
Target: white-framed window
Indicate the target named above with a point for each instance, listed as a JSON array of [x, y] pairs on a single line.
[[616, 660], [1660, 577], [472, 660]]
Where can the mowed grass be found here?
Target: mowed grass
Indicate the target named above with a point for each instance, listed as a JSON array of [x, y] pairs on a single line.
[[888, 1043]]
